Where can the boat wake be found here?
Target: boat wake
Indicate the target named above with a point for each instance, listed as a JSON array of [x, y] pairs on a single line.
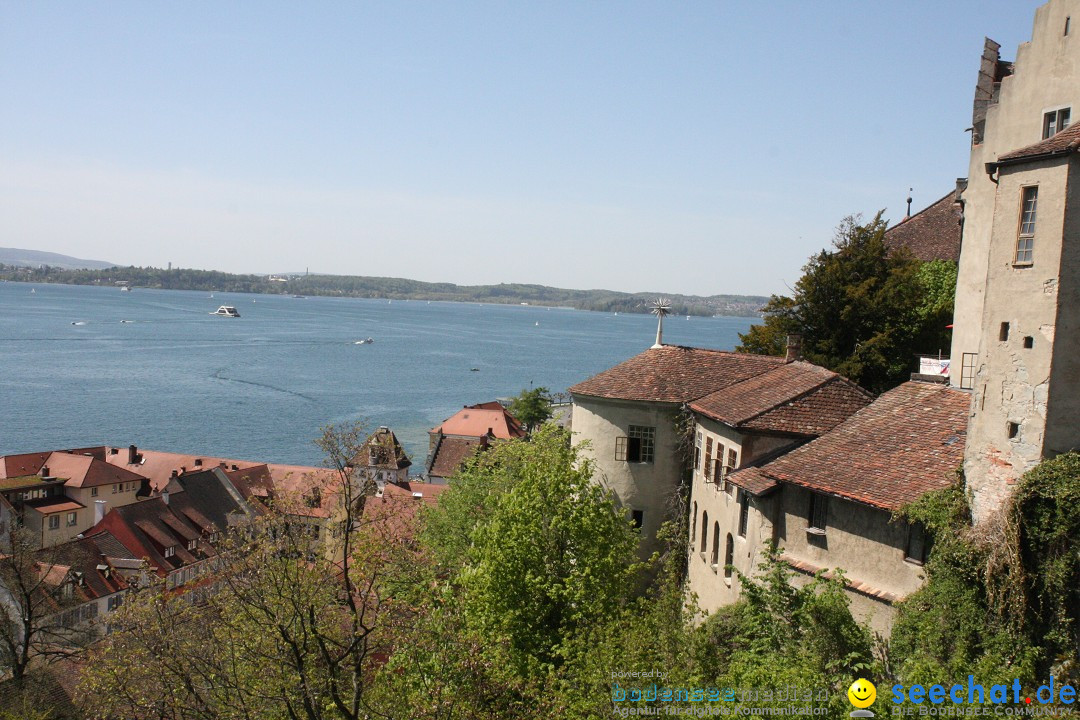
[[219, 375]]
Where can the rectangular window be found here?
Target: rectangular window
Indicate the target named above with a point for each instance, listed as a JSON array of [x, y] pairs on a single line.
[[967, 371], [708, 458], [744, 513], [817, 517], [1025, 241], [718, 473], [641, 439], [637, 517], [916, 544], [54, 522], [115, 601], [697, 450], [93, 492], [72, 519], [170, 551], [1055, 121], [732, 459]]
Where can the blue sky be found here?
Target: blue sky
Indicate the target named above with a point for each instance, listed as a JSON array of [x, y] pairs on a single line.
[[678, 147]]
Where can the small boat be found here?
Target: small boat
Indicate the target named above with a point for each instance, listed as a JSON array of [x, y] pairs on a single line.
[[300, 296], [79, 322], [33, 290], [538, 324], [127, 321], [365, 341], [125, 288], [226, 311], [474, 369]]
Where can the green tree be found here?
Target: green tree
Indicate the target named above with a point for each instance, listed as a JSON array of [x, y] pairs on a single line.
[[863, 310], [532, 407], [32, 604], [289, 630]]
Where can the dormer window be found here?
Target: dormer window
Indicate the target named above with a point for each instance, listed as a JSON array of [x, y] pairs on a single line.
[[1055, 121], [170, 551], [191, 544]]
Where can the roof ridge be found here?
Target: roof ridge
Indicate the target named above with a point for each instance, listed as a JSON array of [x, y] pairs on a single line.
[[789, 400], [909, 218]]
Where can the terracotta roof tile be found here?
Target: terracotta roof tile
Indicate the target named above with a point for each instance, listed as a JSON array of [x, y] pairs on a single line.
[[676, 374], [816, 412], [1065, 142], [12, 466], [908, 442], [753, 480], [798, 398], [451, 453], [53, 505], [930, 234], [477, 420], [84, 471]]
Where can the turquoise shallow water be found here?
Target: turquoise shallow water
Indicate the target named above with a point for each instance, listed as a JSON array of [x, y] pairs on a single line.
[[259, 387]]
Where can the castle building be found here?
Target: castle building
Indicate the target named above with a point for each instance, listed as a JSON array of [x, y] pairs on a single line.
[[1017, 312]]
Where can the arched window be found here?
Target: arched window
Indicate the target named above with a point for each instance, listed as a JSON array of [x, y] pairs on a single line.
[[693, 526], [729, 556], [715, 545], [704, 530]]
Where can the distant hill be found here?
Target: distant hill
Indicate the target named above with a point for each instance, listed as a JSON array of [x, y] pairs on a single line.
[[37, 258], [384, 287]]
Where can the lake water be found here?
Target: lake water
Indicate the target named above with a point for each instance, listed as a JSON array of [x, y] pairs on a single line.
[[173, 377]]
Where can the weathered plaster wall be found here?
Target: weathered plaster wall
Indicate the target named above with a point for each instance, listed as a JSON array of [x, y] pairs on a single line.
[[638, 486], [1012, 381], [1046, 76]]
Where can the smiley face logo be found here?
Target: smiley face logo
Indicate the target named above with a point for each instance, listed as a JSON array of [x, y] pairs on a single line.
[[862, 693]]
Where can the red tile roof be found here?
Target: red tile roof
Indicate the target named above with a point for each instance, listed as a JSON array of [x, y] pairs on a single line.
[[13, 466], [798, 397], [451, 453], [816, 412], [908, 442], [753, 480], [479, 420], [675, 374], [84, 471], [1065, 142], [930, 234]]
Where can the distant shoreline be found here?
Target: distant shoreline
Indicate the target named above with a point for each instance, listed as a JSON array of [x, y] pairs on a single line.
[[387, 289]]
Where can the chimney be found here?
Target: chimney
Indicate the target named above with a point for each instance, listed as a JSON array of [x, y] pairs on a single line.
[[174, 474], [794, 348], [198, 462], [165, 496], [99, 510], [44, 472], [133, 454]]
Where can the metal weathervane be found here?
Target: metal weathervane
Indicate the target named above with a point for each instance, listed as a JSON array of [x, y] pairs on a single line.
[[660, 307]]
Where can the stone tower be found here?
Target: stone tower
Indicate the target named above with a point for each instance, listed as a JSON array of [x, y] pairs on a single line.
[[1016, 342]]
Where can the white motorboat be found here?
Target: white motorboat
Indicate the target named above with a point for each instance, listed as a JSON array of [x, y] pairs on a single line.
[[226, 311]]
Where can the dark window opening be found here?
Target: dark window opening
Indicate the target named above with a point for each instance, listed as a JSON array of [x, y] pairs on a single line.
[[1068, 21], [817, 518], [744, 513], [716, 545], [636, 518], [693, 527], [704, 530], [1013, 429], [1003, 333], [729, 556], [916, 544], [1029, 342]]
